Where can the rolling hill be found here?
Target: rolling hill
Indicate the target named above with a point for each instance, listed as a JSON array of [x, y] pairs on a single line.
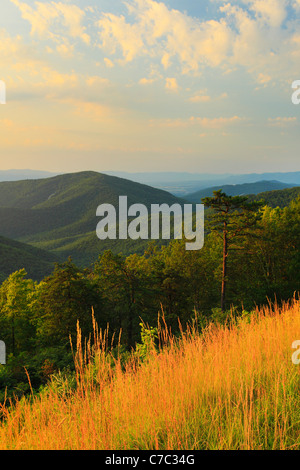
[[238, 189], [15, 255], [280, 198], [58, 214]]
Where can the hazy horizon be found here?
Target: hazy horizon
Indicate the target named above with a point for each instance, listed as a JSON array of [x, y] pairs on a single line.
[[150, 86], [38, 170]]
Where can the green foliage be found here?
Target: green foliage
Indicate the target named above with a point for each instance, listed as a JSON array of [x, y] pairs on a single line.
[[280, 198], [129, 292], [15, 255], [149, 337], [65, 298], [58, 214], [232, 218], [62, 383]]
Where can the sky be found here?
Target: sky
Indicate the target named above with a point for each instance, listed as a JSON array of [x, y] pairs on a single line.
[[150, 85]]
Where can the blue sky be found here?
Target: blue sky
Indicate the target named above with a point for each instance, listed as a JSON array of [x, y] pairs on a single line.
[[148, 85]]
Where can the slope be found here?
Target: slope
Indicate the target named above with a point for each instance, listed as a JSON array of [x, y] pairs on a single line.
[[59, 213], [281, 198], [15, 255]]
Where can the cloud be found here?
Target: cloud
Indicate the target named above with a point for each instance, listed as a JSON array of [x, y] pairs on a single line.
[[116, 32], [216, 123], [256, 35], [65, 49], [13, 47], [203, 122], [263, 78], [108, 63], [201, 98], [46, 17], [146, 81], [157, 31], [97, 81], [282, 121], [264, 42], [172, 85], [94, 111]]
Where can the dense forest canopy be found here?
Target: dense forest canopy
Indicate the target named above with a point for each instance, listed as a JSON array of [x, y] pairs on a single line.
[[37, 319]]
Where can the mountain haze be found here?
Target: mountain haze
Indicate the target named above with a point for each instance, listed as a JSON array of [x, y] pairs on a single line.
[[238, 189], [183, 183], [16, 175]]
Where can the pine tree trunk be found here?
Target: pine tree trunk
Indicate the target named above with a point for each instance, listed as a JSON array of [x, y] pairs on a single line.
[[224, 270]]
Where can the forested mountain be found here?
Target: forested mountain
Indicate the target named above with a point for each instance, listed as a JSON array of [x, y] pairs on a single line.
[[281, 198], [126, 283], [59, 213], [15, 255]]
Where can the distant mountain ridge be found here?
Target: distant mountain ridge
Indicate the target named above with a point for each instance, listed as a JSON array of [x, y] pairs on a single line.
[[183, 183], [17, 175], [177, 183], [164, 176], [238, 189]]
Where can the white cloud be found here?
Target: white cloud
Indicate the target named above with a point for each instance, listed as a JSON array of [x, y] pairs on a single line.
[[252, 34], [167, 34], [271, 12], [114, 32], [44, 18], [263, 44]]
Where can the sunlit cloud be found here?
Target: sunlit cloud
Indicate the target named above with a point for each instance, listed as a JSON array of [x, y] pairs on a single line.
[[171, 84], [47, 15], [148, 76]]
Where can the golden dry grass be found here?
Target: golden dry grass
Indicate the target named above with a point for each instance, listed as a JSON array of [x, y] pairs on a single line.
[[230, 388]]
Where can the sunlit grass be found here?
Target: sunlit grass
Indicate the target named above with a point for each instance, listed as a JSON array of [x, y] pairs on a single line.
[[232, 387]]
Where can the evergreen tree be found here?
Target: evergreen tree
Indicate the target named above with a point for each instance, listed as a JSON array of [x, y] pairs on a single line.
[[232, 218]]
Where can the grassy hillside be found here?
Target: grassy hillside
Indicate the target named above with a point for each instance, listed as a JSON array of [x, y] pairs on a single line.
[[230, 388], [15, 255], [238, 189], [59, 213]]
